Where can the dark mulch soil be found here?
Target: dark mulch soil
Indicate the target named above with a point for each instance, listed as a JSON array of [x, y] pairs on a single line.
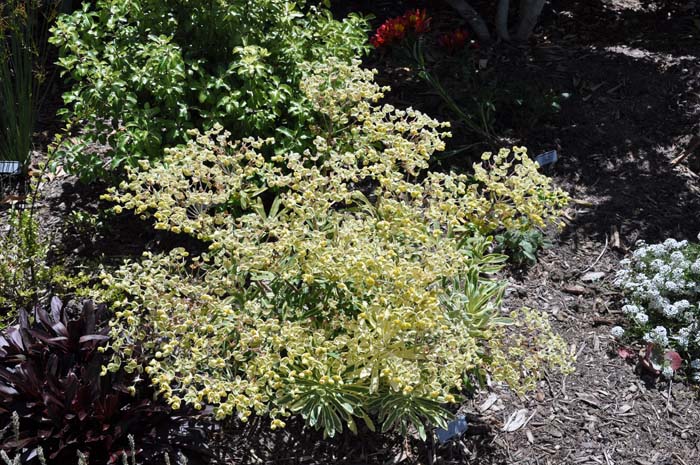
[[632, 69]]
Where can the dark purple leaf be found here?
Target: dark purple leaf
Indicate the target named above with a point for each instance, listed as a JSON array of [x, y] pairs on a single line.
[[56, 306], [7, 390], [50, 375], [70, 387], [16, 338], [60, 342], [41, 315], [14, 444], [26, 338], [23, 318], [60, 329], [93, 337], [90, 316]]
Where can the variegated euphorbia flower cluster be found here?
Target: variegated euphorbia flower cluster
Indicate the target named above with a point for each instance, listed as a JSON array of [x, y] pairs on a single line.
[[662, 286], [335, 278]]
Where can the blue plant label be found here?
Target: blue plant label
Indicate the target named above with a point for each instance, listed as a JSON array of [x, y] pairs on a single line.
[[455, 428], [546, 158], [10, 167]]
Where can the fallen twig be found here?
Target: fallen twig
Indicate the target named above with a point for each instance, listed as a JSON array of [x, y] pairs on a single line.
[[605, 247]]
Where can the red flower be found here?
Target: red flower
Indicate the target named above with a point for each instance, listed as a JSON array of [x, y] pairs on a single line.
[[454, 41], [393, 30], [417, 20], [396, 29]]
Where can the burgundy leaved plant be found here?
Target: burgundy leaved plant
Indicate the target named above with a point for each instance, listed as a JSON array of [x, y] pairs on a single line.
[[655, 358], [50, 367]]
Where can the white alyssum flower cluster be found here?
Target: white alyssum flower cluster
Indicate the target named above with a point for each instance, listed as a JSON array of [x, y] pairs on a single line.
[[661, 283]]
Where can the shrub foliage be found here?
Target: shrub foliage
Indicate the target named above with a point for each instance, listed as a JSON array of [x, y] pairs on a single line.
[[342, 282], [146, 71], [24, 273]]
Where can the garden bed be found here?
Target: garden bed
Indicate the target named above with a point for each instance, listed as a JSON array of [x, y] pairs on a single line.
[[632, 81]]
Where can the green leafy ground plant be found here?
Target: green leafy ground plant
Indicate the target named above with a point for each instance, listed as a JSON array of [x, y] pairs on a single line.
[[144, 72], [342, 283], [24, 272]]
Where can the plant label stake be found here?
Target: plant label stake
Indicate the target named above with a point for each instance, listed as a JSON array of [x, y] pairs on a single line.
[[455, 428], [9, 171], [546, 158], [10, 168]]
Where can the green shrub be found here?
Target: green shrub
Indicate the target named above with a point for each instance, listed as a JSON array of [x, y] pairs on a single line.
[[146, 71], [24, 272], [341, 282]]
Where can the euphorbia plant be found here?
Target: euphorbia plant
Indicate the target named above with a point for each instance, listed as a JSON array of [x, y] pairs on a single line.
[[343, 283]]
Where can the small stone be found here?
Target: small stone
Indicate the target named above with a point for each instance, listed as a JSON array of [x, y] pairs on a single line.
[[575, 290], [684, 435], [592, 276]]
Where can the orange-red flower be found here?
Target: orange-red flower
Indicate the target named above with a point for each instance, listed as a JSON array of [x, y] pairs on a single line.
[[417, 20], [396, 29]]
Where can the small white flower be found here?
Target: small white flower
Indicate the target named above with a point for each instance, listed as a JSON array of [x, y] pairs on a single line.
[[657, 250], [677, 256], [660, 331], [640, 253], [682, 337], [672, 244], [658, 336], [617, 331], [671, 311], [641, 318], [695, 267], [630, 309], [695, 364]]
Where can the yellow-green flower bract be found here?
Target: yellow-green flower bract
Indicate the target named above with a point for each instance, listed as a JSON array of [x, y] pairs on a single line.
[[345, 269]]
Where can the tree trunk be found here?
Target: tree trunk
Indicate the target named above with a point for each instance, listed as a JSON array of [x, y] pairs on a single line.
[[502, 20], [529, 13], [473, 18]]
